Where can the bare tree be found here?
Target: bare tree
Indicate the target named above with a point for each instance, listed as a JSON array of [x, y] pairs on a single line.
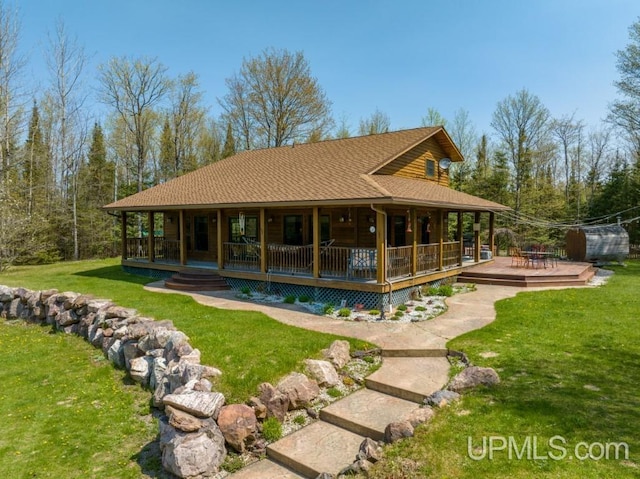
[[521, 122], [598, 144], [274, 100], [433, 118], [378, 122], [66, 61], [464, 135], [568, 132], [132, 88]]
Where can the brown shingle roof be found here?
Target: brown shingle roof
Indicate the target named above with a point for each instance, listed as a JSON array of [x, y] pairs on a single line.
[[326, 172]]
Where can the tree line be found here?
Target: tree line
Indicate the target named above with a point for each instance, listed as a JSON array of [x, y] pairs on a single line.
[[60, 163]]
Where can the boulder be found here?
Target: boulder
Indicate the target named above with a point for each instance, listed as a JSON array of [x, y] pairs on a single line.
[[67, 318], [323, 372], [6, 294], [259, 409], [115, 311], [158, 370], [397, 430], [420, 416], [15, 309], [359, 467], [238, 424], [369, 450], [183, 421], [441, 398], [115, 354], [299, 389], [140, 369], [472, 377], [277, 403], [198, 403], [338, 353], [197, 454]]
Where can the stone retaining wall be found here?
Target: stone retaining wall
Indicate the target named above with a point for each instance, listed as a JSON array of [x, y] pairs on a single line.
[[155, 354]]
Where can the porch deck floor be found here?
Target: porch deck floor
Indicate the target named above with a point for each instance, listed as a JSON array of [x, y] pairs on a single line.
[[501, 272]]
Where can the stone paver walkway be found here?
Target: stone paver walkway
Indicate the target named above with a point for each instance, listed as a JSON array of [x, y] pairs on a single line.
[[414, 367]]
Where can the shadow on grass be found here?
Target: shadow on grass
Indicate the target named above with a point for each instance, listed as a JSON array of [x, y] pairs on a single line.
[[114, 273]]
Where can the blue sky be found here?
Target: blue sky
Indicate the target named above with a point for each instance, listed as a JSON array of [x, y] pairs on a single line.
[[400, 57]]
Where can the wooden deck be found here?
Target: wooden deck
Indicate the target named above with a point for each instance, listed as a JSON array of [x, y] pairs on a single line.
[[500, 272]]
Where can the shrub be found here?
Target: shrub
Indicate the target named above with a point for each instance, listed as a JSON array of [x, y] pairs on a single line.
[[344, 312], [328, 308], [299, 420], [304, 299], [420, 308], [374, 312], [246, 290], [271, 429], [446, 290], [398, 314], [334, 392], [290, 299], [368, 359], [433, 291], [402, 307], [348, 380]]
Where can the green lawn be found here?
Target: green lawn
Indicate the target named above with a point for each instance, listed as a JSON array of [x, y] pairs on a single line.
[[569, 361], [67, 413]]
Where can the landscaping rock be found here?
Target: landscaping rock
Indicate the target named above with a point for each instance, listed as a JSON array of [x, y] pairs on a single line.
[[140, 369], [369, 450], [6, 294], [397, 430], [441, 398], [277, 403], [472, 377], [200, 404], [259, 409], [238, 424], [338, 353], [192, 454], [116, 354], [420, 416], [299, 389], [360, 466], [183, 421], [323, 372]]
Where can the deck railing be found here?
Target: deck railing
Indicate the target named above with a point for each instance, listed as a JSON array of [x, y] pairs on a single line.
[[241, 256], [168, 250], [137, 248], [451, 254], [334, 261], [428, 258], [292, 259], [399, 261]]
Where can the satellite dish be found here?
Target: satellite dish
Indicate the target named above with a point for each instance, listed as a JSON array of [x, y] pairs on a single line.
[[444, 163]]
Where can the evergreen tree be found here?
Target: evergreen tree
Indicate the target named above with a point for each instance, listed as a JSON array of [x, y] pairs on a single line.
[[168, 166], [36, 168], [229, 148]]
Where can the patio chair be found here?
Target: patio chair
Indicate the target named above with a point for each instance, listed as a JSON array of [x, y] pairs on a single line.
[[362, 262], [518, 259]]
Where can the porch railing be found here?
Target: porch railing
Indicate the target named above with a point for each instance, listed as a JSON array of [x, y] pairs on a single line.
[[242, 256], [289, 258], [137, 248], [428, 258], [167, 250], [399, 261], [451, 254]]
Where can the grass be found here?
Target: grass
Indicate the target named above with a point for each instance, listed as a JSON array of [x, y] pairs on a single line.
[[67, 413], [568, 361]]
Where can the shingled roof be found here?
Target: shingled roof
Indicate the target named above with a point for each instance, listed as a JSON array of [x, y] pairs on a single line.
[[323, 173]]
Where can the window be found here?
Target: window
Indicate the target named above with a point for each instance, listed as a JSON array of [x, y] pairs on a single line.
[[250, 229], [292, 230], [201, 233], [430, 169]]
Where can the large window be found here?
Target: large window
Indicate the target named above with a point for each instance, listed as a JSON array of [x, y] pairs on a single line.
[[325, 228], [250, 229], [292, 229]]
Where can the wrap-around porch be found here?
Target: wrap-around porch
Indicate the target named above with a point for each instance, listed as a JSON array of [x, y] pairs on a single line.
[[354, 247]]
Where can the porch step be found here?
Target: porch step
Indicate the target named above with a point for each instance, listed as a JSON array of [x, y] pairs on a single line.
[[527, 281], [196, 280]]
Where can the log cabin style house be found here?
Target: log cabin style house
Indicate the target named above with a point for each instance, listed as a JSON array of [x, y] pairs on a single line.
[[361, 220]]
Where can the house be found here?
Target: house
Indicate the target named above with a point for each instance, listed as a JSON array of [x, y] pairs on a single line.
[[362, 220]]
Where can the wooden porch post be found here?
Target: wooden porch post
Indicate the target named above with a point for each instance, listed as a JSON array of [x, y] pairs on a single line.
[[414, 249], [441, 240], [316, 242], [492, 239], [151, 241], [460, 238], [381, 245], [219, 237], [263, 240], [183, 238], [123, 233], [476, 237]]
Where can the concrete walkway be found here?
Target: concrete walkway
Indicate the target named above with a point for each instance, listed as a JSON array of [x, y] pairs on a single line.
[[414, 366]]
